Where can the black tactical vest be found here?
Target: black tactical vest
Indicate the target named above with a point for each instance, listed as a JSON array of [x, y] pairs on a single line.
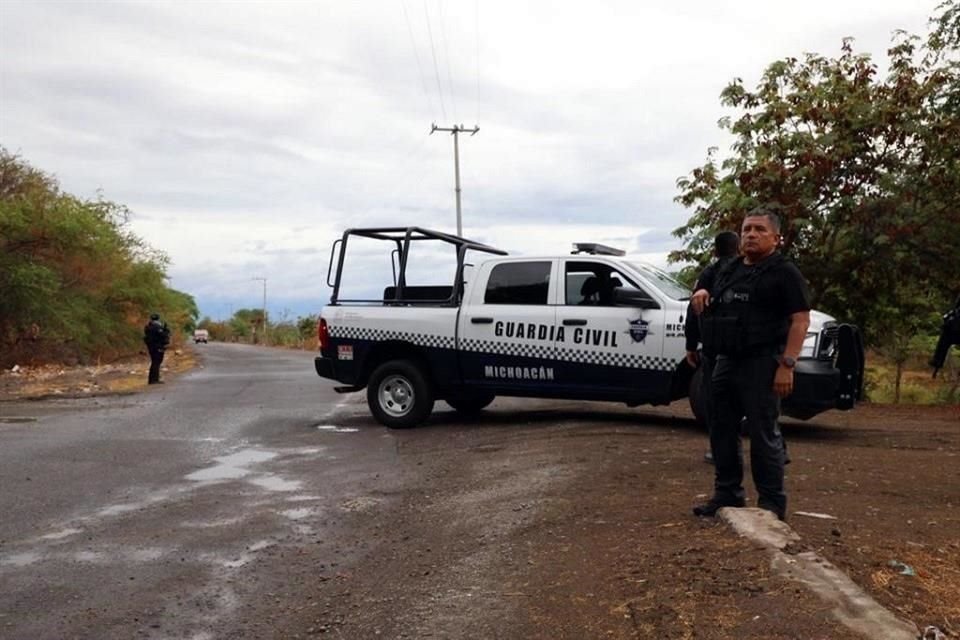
[[734, 324]]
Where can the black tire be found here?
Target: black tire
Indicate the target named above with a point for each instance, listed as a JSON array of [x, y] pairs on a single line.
[[698, 401], [399, 395], [470, 403]]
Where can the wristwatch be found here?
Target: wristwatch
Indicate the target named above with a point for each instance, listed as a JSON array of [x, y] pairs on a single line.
[[788, 362]]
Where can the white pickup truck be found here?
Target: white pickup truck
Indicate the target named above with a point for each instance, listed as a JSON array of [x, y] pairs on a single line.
[[591, 325]]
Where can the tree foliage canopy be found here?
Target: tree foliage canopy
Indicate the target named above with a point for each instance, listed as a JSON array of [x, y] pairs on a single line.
[[864, 171], [74, 281]]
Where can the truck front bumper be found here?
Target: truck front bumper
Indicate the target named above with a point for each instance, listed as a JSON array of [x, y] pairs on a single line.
[[831, 383]]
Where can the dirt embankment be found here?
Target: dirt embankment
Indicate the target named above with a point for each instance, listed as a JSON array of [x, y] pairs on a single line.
[[126, 375]]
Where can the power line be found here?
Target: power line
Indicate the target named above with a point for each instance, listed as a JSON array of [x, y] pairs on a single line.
[[446, 54], [416, 54], [476, 35], [436, 68]]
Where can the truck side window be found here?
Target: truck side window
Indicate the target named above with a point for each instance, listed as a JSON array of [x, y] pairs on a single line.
[[518, 283], [592, 284]]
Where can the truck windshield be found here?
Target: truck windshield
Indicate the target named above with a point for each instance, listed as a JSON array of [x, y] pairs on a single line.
[[662, 280]]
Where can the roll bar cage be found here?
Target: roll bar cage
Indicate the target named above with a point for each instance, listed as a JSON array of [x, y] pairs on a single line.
[[402, 237]]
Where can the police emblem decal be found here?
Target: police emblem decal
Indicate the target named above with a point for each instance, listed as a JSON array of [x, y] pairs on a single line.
[[639, 329]]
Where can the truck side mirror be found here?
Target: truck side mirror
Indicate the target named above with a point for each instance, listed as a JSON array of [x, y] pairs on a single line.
[[623, 297]]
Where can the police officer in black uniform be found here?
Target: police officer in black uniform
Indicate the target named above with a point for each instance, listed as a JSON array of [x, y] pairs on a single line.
[[156, 335], [725, 247], [755, 318], [949, 336]]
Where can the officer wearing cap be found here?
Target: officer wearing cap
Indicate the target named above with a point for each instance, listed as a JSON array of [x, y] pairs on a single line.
[[755, 317], [156, 335]]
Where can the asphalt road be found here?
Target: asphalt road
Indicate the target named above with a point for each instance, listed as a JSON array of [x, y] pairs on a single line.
[[247, 500], [132, 515]]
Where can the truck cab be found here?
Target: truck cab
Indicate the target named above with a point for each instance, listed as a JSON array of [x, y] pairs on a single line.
[[593, 324]]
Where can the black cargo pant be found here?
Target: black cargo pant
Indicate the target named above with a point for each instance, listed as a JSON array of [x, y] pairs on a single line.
[[743, 387], [156, 359]]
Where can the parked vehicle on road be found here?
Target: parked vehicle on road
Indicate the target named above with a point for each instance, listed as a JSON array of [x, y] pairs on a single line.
[[591, 325]]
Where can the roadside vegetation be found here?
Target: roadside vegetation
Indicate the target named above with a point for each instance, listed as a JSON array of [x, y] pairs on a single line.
[[246, 325], [864, 170], [76, 285]]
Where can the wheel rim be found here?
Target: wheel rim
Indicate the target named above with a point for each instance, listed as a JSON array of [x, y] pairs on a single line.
[[396, 396]]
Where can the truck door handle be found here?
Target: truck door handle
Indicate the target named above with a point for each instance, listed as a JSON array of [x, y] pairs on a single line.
[[574, 322], [481, 320]]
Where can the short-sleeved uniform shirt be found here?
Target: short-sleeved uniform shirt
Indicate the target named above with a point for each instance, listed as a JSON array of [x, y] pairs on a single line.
[[691, 328], [781, 288]]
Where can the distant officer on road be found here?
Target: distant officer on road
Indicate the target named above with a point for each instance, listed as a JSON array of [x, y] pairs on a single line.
[[156, 335], [755, 317], [725, 247]]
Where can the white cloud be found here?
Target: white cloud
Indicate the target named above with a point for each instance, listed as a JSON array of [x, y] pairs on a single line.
[[246, 136]]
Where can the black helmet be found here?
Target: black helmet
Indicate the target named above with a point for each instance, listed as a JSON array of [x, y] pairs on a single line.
[[154, 316]]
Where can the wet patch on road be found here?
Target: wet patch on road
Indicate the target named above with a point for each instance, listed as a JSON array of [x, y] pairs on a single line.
[[298, 514], [332, 428], [60, 535], [24, 559], [233, 466], [272, 482]]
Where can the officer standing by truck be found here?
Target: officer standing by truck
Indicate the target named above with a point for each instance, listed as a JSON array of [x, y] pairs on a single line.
[[725, 247], [156, 335], [755, 318]]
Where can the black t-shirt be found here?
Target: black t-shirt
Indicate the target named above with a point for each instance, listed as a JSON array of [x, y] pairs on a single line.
[[781, 288], [691, 328]]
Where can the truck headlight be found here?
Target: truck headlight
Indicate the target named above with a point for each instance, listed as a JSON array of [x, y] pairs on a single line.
[[809, 349]]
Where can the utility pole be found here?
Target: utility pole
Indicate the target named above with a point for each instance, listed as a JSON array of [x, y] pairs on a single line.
[[456, 130], [264, 308]]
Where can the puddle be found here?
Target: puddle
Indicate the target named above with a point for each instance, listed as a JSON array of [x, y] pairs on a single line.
[[303, 498], [117, 509], [146, 555], [222, 522], [308, 452], [233, 466], [332, 428], [16, 420], [298, 514], [60, 535], [259, 546], [275, 483], [238, 562], [21, 559]]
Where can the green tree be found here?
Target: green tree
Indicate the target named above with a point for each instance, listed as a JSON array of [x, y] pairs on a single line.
[[74, 281], [864, 171]]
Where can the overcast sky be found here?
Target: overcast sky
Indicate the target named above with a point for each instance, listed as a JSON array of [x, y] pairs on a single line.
[[246, 136]]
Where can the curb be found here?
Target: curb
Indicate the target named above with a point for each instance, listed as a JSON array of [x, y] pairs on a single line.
[[853, 607]]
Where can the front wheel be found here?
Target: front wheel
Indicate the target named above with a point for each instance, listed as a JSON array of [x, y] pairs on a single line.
[[398, 395], [470, 403]]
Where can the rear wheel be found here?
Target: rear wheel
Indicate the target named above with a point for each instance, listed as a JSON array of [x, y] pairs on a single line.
[[399, 395], [470, 403]]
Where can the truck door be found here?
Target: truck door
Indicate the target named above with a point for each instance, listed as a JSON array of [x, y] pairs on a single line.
[[607, 350], [506, 337]]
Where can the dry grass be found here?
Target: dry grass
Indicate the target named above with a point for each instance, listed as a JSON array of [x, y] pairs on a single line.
[[128, 375]]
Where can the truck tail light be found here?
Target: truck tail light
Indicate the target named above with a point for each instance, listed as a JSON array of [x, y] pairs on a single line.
[[323, 335]]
